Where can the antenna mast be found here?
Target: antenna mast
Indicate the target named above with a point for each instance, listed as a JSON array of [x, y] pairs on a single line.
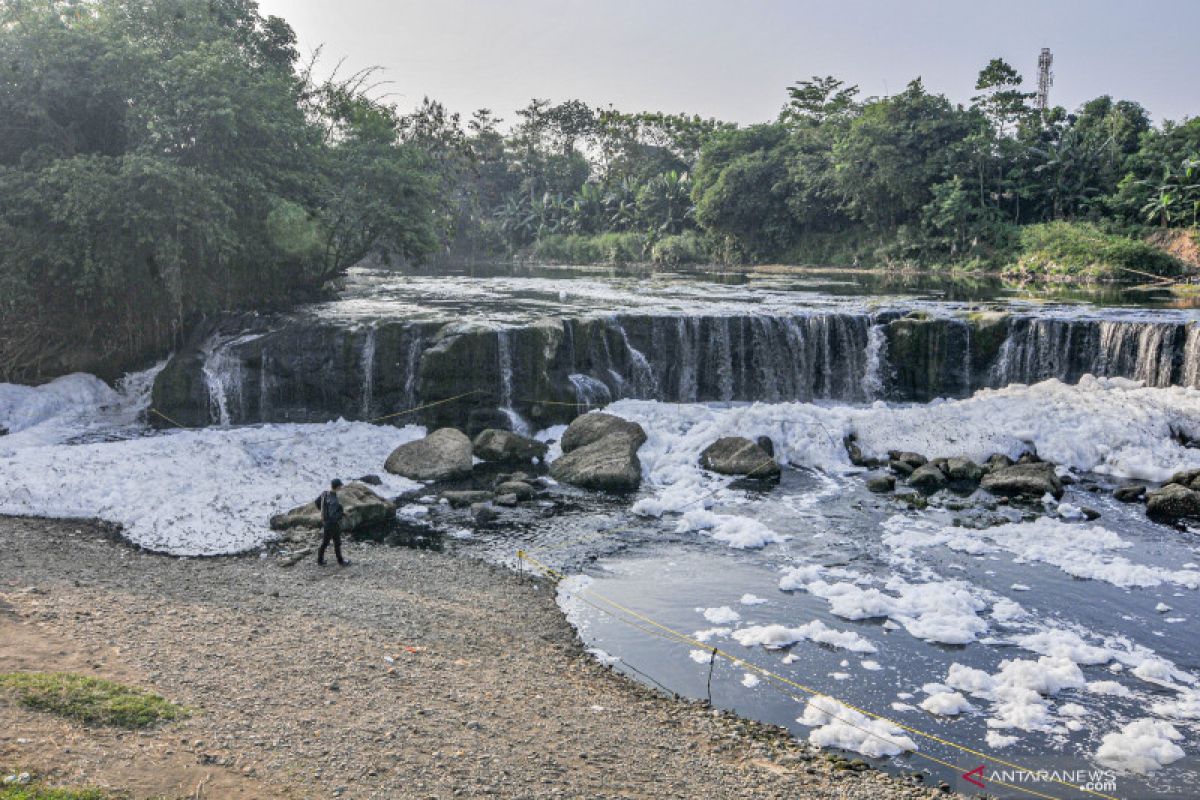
[[1045, 79]]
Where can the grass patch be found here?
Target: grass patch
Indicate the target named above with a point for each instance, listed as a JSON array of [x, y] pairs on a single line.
[[39, 792], [93, 701], [1060, 250]]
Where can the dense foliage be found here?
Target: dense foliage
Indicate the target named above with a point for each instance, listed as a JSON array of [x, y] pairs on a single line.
[[911, 178], [160, 161], [163, 160]]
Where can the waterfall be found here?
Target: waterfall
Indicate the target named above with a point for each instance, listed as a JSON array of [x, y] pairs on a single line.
[[645, 385], [873, 357], [688, 333], [589, 392], [222, 371], [720, 358], [1191, 357], [368, 371], [412, 366], [504, 350]]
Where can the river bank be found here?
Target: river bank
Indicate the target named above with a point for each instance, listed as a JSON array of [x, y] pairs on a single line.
[[409, 674]]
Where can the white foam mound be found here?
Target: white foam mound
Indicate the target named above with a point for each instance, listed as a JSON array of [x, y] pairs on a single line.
[[741, 533], [197, 492], [774, 637], [1141, 746], [836, 725], [23, 407], [1107, 425]]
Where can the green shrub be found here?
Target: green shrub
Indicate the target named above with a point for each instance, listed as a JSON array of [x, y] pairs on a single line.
[[603, 248], [683, 248], [1082, 250], [89, 700]]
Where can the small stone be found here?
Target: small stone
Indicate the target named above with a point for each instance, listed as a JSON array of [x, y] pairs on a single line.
[[506, 499], [927, 478], [1129, 494], [881, 483], [483, 513]]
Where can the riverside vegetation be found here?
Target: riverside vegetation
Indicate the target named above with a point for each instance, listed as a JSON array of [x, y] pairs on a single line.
[[161, 162]]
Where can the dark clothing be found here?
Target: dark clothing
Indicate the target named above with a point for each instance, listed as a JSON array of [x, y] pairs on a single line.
[[332, 532]]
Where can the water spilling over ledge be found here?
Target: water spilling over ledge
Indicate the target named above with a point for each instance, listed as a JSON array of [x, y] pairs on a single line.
[[310, 369]]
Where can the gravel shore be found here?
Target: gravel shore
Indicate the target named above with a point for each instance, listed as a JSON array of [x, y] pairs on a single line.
[[409, 674]]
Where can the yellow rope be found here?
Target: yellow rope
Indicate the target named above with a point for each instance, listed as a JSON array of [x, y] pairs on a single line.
[[684, 638], [426, 405]]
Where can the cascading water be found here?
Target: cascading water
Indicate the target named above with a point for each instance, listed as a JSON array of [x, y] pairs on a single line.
[[589, 392], [222, 372], [876, 353], [504, 350], [412, 365], [367, 361]]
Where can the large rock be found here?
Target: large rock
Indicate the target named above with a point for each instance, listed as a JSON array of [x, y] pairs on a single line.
[[494, 444], [928, 478], [593, 427], [963, 470], [1172, 502], [363, 509], [1129, 494], [444, 454], [610, 463], [1027, 480], [733, 455]]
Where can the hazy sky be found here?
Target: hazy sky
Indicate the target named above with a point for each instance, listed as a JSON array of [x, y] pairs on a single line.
[[733, 59]]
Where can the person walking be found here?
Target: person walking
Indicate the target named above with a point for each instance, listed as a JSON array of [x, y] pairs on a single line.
[[331, 523]]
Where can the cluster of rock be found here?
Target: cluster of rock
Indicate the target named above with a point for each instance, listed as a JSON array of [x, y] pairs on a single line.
[[1028, 477]]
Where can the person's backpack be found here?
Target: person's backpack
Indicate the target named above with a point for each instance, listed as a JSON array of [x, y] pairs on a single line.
[[331, 509]]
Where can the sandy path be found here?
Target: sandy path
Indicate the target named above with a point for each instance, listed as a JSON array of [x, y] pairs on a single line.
[[410, 674]]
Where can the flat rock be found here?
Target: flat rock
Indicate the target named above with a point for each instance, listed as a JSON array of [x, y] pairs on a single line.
[[494, 444], [734, 455], [442, 455], [466, 497], [881, 483], [1172, 502], [593, 427], [1129, 494], [610, 463], [914, 460], [927, 478], [363, 509], [522, 490], [1031, 479]]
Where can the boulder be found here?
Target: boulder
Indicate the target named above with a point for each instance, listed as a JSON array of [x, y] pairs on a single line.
[[881, 483], [766, 444], [522, 490], [590, 428], [483, 513], [444, 454], [1186, 477], [494, 444], [901, 468], [963, 470], [468, 497], [997, 461], [734, 455], [914, 460], [927, 478], [1129, 494], [363, 510], [371, 480], [610, 463], [506, 500], [1031, 479], [1172, 502]]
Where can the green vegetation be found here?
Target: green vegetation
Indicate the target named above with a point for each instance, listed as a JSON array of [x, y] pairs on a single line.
[[1081, 249], [92, 701], [160, 162], [36, 791]]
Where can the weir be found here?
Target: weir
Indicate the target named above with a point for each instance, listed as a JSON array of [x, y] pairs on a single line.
[[546, 372]]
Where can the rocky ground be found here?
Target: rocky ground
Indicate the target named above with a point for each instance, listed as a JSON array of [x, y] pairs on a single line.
[[409, 674]]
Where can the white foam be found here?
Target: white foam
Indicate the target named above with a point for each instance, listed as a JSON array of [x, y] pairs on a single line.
[[774, 637], [835, 725], [737, 532], [721, 615], [946, 704], [1141, 746]]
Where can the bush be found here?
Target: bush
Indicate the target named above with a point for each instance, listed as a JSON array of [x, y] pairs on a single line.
[[684, 248], [603, 248], [1058, 250], [89, 700]]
